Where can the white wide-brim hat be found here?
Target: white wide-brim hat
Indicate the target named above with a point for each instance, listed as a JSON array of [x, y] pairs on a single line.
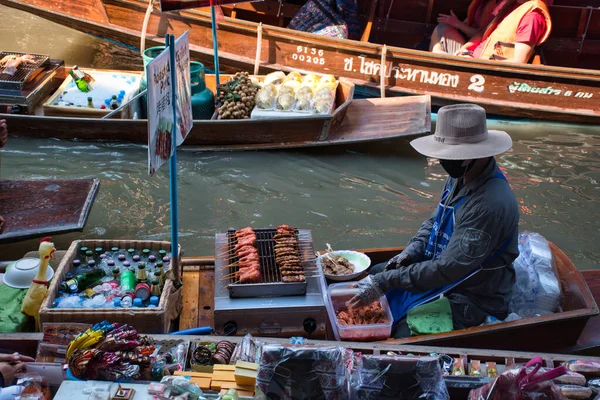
[[461, 134]]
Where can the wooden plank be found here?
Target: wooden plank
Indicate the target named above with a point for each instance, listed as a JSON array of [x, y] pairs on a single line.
[[33, 208], [206, 298], [191, 287]]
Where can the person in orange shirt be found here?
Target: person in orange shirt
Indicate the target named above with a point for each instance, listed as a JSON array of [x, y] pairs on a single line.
[[517, 28]]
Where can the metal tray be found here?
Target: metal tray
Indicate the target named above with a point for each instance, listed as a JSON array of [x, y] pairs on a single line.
[[271, 285], [25, 73]]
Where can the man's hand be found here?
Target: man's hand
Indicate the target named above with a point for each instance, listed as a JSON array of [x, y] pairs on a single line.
[[3, 133], [369, 291], [9, 371], [399, 260]]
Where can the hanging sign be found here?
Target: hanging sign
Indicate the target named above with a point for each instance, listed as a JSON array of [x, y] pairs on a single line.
[[172, 5], [160, 111], [184, 87]]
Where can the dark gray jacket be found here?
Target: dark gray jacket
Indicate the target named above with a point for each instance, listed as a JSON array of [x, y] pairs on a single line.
[[483, 222]]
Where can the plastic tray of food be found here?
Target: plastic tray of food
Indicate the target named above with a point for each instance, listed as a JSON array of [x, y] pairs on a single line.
[[337, 296]]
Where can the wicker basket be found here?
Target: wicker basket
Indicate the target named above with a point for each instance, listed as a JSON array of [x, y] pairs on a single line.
[[145, 320]]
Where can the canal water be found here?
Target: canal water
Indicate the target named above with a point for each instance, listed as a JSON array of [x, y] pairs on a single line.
[[370, 195]]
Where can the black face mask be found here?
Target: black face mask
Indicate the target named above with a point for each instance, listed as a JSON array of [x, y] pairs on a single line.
[[454, 168]]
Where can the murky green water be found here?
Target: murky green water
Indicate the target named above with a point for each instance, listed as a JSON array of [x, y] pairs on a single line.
[[373, 195]]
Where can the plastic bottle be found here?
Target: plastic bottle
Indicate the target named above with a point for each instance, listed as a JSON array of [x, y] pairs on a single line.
[[137, 303], [127, 282], [142, 276], [126, 302], [117, 302], [154, 300]]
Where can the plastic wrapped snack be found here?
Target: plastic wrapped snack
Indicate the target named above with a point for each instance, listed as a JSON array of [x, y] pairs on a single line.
[[310, 80], [324, 93], [286, 90], [275, 78], [398, 377], [294, 76], [249, 350], [303, 105], [327, 79], [537, 289], [285, 102], [304, 92], [303, 372], [265, 99], [322, 106]]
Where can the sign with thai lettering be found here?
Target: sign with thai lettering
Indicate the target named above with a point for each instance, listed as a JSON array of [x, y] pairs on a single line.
[[184, 87], [160, 111]]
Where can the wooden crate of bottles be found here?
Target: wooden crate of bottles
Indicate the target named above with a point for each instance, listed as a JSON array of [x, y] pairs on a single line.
[[145, 320]]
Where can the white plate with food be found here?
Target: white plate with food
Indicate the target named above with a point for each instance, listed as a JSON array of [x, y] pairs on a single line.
[[343, 265]]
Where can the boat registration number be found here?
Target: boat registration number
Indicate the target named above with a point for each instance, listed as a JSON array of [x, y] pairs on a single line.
[[309, 55]]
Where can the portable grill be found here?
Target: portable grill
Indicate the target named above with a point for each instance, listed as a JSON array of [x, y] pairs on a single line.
[[270, 307], [271, 283], [25, 73]]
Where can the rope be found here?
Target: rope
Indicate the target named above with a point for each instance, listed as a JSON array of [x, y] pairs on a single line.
[[258, 48], [145, 26], [382, 71], [586, 29]]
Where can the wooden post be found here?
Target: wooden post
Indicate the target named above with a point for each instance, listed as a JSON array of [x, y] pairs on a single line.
[[258, 48], [382, 71], [367, 32]]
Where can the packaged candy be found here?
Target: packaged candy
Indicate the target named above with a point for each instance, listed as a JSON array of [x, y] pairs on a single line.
[[591, 368], [576, 392], [458, 368], [570, 378], [491, 370], [475, 368]]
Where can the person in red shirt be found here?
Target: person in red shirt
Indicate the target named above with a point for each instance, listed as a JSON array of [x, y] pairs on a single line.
[[529, 32]]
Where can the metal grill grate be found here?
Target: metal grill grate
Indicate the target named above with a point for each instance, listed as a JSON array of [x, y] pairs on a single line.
[[271, 283], [265, 244], [24, 73]]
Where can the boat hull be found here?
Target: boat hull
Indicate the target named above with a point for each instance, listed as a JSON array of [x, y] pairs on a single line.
[[514, 90]]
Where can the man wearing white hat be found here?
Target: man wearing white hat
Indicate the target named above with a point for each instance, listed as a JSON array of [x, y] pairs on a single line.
[[466, 249]]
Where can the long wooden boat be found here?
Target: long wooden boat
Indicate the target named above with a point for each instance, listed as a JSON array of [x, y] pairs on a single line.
[[558, 332], [543, 333], [563, 90], [352, 121], [458, 387]]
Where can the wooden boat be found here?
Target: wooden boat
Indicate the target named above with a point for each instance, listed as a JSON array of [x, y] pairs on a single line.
[[458, 387], [352, 121], [562, 90], [39, 207], [544, 333], [550, 333]]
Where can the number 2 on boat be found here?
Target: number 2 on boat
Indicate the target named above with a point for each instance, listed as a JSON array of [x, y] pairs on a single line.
[[477, 82]]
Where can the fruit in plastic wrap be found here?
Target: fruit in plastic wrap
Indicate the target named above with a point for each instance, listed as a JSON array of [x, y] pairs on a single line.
[[327, 79], [305, 92], [265, 99], [269, 87], [303, 104], [322, 106], [324, 94], [294, 76], [285, 102], [276, 78], [310, 80], [286, 90], [294, 85], [327, 85]]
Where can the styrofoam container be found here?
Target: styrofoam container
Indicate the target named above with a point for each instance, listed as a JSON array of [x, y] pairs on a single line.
[[337, 296], [360, 260]]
